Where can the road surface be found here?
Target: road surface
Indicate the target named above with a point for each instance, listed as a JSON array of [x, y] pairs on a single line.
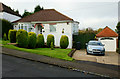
[[17, 67]]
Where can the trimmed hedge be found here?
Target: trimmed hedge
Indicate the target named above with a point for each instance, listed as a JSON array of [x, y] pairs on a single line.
[[40, 40], [12, 36], [22, 38], [83, 38], [50, 38], [32, 39], [52, 46], [64, 42], [118, 50], [6, 26]]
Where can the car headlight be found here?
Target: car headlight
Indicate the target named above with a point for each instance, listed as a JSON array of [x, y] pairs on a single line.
[[90, 49]]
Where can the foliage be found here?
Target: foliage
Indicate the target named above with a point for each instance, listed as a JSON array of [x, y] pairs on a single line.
[[50, 38], [83, 38], [5, 37], [22, 38], [38, 8], [118, 50], [12, 36], [32, 40], [26, 13], [99, 30], [6, 26], [40, 40], [64, 42], [52, 46]]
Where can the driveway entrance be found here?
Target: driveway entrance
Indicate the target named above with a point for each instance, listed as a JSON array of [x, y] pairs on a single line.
[[109, 58]]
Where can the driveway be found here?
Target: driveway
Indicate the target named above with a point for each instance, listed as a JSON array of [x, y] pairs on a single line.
[[109, 58]]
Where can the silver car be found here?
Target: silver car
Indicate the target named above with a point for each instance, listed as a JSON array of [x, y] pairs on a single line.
[[95, 47]]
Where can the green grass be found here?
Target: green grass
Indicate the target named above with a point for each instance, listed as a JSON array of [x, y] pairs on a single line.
[[56, 53], [4, 42]]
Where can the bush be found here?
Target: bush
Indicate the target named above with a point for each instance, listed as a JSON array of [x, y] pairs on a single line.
[[52, 46], [50, 38], [40, 40], [64, 42], [6, 26], [22, 38], [5, 37], [12, 36], [32, 39], [118, 50]]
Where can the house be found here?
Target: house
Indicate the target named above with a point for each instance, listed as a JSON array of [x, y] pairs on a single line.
[[109, 38], [8, 14], [49, 21]]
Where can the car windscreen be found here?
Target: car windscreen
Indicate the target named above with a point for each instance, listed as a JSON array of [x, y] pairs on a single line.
[[95, 43]]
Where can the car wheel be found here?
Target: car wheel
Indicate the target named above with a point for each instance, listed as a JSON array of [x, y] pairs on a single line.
[[87, 52], [103, 54]]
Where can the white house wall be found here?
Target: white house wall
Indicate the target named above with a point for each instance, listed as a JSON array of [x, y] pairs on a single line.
[[9, 17], [68, 30]]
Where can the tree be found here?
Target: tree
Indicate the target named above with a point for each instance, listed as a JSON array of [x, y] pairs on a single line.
[[26, 13], [118, 29], [17, 11], [99, 30], [38, 8]]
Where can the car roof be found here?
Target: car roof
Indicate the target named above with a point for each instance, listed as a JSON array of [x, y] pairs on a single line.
[[94, 41]]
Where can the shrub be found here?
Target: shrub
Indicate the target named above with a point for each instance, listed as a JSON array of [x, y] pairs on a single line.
[[22, 38], [40, 40], [32, 39], [52, 46], [5, 37], [50, 38], [6, 26], [118, 50], [12, 36], [64, 42]]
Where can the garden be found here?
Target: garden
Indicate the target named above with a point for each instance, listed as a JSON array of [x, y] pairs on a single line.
[[30, 42]]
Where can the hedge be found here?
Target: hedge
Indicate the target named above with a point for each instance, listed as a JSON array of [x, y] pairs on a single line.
[[6, 26], [22, 38], [83, 38], [64, 42], [118, 50], [50, 38], [12, 36], [32, 39], [4, 37], [40, 40]]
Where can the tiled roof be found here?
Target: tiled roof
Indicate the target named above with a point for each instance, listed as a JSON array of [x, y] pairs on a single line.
[[4, 8], [107, 32], [45, 15]]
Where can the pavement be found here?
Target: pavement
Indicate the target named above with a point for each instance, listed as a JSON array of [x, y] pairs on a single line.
[[17, 67], [109, 58], [80, 66]]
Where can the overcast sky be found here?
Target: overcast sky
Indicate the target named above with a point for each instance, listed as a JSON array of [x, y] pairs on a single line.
[[90, 13]]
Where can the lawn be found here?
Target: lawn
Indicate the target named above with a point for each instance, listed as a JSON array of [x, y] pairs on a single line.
[[56, 53]]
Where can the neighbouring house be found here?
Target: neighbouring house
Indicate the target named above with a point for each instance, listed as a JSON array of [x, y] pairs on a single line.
[[8, 14], [49, 21], [109, 38]]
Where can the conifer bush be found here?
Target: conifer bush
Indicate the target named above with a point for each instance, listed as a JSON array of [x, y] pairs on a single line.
[[50, 38], [32, 39], [40, 40], [64, 42], [12, 36], [22, 38]]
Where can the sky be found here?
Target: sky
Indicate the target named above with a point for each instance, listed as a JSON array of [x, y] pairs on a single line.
[[89, 13]]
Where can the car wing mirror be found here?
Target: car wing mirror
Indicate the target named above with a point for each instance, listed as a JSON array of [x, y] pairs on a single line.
[[86, 44]]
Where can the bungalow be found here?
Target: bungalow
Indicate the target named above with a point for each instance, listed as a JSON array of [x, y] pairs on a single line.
[[8, 14], [49, 21], [109, 38]]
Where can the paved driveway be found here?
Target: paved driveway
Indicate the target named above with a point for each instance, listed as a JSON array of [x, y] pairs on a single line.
[[109, 58]]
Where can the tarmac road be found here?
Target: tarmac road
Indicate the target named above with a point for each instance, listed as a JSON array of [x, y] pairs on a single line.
[[17, 67]]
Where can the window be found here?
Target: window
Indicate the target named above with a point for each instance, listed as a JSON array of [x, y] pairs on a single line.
[[52, 28], [107, 38], [21, 26], [26, 28], [29, 30]]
